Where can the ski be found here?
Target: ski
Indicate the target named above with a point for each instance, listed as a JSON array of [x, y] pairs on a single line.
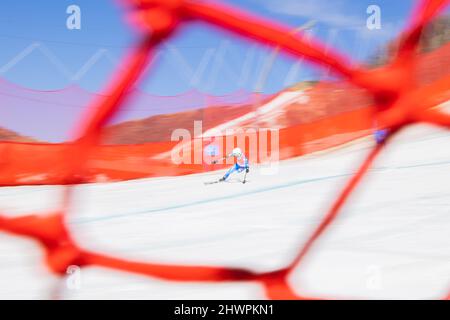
[[212, 182]]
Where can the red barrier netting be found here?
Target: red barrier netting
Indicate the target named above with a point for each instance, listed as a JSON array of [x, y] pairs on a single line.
[[400, 102]]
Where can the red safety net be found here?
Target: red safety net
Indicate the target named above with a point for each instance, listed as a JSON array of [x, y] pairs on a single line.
[[400, 100]]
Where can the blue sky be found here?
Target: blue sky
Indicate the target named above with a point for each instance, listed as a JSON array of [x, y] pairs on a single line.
[[198, 57]]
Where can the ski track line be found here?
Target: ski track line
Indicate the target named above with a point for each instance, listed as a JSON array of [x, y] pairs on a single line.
[[204, 201], [244, 194]]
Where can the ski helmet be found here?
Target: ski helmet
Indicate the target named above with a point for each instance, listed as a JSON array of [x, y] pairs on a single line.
[[237, 152]]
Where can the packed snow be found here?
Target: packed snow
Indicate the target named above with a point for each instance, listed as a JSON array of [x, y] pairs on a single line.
[[391, 241]]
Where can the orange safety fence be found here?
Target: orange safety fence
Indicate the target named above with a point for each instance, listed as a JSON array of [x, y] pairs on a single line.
[[335, 113], [125, 162], [399, 102]]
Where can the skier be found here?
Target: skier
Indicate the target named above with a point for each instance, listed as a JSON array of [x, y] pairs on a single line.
[[240, 165]]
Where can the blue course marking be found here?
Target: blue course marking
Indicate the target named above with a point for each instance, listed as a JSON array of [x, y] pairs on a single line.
[[432, 164], [204, 201], [244, 194]]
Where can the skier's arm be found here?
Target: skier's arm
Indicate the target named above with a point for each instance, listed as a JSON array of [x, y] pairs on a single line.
[[223, 158]]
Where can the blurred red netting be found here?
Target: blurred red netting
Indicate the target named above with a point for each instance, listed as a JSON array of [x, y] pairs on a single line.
[[399, 102]]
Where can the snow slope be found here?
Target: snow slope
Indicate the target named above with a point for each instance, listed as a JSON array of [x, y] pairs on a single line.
[[392, 240]]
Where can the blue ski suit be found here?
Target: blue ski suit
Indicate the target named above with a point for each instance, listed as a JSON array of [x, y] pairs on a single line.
[[239, 166]]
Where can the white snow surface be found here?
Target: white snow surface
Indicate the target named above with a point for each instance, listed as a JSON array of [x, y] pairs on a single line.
[[391, 241]]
